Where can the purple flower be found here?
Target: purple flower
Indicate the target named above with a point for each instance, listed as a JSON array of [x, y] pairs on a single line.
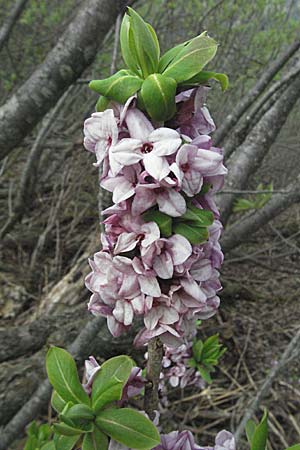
[[193, 118], [147, 145], [176, 440], [101, 133], [91, 368], [224, 441]]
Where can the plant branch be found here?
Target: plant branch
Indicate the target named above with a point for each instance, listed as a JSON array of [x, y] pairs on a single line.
[[155, 355]]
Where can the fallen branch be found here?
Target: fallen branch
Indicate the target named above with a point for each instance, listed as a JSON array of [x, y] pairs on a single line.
[[242, 230], [251, 153], [291, 352], [232, 119]]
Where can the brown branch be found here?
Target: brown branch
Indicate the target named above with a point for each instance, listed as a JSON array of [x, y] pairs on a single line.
[[232, 119], [155, 355], [10, 22], [260, 108], [74, 51], [29, 175], [248, 157], [240, 231]]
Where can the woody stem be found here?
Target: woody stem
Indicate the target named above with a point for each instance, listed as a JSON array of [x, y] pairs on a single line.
[[155, 355]]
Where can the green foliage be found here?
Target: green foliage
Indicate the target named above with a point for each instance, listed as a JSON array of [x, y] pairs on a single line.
[[155, 79], [63, 376], [92, 420], [128, 427], [206, 355], [257, 435], [163, 221], [191, 58], [243, 204], [158, 96], [119, 86], [193, 224], [110, 380], [38, 437]]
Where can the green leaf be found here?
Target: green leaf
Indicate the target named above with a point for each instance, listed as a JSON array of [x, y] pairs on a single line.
[[250, 429], [197, 350], [44, 432], [57, 403], [192, 58], [294, 447], [78, 412], [168, 57], [118, 87], [102, 103], [205, 374], [33, 429], [201, 217], [146, 45], [66, 430], [260, 436], [163, 221], [127, 46], [158, 96], [243, 204], [95, 441], [203, 77], [63, 376], [65, 442], [110, 380], [128, 427], [195, 235], [49, 446], [31, 443]]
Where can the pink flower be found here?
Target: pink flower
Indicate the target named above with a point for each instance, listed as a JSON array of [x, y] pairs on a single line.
[[123, 185], [224, 441], [164, 254], [147, 145], [91, 368], [101, 132], [176, 440], [145, 235], [193, 118], [169, 201]]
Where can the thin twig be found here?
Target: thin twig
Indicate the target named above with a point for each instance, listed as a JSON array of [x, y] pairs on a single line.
[[291, 352]]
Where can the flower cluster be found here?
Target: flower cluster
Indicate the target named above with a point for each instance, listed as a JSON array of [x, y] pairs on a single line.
[[176, 368], [184, 440], [152, 263]]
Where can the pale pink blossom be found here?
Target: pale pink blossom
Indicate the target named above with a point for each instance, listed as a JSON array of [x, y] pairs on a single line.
[[146, 144]]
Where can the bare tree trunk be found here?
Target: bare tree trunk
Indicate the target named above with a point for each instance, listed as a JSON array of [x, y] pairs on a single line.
[[250, 154], [74, 51], [242, 230], [10, 22], [242, 106]]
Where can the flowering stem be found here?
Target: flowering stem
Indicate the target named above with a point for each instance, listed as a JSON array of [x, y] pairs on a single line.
[[155, 355]]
